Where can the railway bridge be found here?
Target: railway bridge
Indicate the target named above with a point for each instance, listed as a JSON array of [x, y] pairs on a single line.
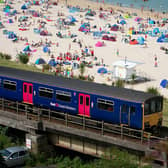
[[77, 133]]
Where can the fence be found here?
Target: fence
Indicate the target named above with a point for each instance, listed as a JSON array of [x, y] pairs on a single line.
[[79, 122]]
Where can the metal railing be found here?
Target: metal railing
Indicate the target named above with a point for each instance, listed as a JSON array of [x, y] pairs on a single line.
[[78, 122]]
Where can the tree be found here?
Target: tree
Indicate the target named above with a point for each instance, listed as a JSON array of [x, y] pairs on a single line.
[[133, 76], [82, 70], [153, 90], [23, 58], [119, 83]]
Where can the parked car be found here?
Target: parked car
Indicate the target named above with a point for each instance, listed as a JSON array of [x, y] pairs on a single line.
[[14, 156]]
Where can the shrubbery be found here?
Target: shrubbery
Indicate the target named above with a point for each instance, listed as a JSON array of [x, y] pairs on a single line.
[[5, 56], [23, 58]]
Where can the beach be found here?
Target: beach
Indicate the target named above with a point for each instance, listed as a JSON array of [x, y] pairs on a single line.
[[145, 56]]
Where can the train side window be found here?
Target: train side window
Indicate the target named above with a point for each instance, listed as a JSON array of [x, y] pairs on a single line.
[[30, 89], [25, 88], [132, 109], [124, 108], [10, 85], [87, 101], [63, 96], [105, 105], [45, 92], [81, 99]]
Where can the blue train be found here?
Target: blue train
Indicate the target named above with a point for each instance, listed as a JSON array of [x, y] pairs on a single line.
[[134, 109]]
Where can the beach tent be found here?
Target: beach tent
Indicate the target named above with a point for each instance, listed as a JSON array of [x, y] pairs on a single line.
[[23, 7], [102, 70], [1, 25], [36, 2], [156, 30], [127, 16], [85, 27], [23, 18], [40, 61], [52, 62], [74, 9], [44, 33], [164, 83], [138, 19], [99, 44], [11, 35], [122, 22], [151, 21], [71, 19], [90, 13], [162, 39], [10, 21], [97, 34], [8, 7], [133, 42], [140, 40], [114, 27], [27, 49]]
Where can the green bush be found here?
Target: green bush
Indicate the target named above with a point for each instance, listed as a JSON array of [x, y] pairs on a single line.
[[23, 58], [7, 56]]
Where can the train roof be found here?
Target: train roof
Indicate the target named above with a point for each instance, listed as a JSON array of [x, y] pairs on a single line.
[[76, 84]]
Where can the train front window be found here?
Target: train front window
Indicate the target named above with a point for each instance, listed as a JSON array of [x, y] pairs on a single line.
[[152, 108], [158, 106], [105, 105], [10, 85]]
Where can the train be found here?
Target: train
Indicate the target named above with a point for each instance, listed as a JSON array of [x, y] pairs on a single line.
[[127, 107]]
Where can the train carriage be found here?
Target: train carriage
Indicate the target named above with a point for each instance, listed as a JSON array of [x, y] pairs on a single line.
[[121, 106]]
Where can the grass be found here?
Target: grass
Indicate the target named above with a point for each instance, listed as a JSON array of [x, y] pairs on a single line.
[[13, 64]]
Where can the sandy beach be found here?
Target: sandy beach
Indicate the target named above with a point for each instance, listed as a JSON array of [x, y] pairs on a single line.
[[144, 55]]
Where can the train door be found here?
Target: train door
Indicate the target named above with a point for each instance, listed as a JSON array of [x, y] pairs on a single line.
[[124, 114], [28, 93], [84, 105]]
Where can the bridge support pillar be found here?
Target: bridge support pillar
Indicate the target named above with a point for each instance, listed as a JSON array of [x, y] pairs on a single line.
[[38, 143]]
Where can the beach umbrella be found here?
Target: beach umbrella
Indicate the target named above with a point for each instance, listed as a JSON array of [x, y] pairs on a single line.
[[164, 83], [40, 61], [102, 70], [45, 49]]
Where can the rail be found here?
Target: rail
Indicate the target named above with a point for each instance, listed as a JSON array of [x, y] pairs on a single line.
[[79, 122]]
